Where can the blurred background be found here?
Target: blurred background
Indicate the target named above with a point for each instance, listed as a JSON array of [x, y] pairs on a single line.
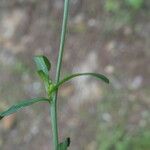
[[106, 36]]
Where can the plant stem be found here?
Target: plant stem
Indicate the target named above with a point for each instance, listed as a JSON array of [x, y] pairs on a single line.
[[53, 110], [62, 41], [53, 106]]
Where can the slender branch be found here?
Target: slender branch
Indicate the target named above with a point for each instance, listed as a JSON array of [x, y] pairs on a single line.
[[59, 64]]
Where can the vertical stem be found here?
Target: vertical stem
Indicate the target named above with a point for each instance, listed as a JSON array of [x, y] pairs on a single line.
[[62, 41], [53, 111], [53, 106]]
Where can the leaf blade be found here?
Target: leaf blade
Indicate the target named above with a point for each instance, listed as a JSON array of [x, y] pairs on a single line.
[[42, 63], [20, 105], [99, 76], [64, 145], [44, 77]]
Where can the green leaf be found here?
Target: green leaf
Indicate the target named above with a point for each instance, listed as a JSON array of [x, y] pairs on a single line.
[[96, 75], [42, 64], [43, 76], [47, 81], [21, 105], [64, 145]]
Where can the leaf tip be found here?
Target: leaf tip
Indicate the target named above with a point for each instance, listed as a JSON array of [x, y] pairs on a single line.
[[107, 80], [1, 117], [68, 141]]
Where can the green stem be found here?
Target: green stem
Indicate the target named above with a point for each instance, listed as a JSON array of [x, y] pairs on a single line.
[[53, 106], [62, 41], [53, 111]]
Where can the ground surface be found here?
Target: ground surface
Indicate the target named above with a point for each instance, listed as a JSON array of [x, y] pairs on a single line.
[[94, 115]]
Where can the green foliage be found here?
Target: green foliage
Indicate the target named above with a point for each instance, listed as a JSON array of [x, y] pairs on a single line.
[[96, 75], [43, 64], [43, 68], [135, 4], [142, 141], [109, 139], [114, 133], [117, 6], [121, 13], [21, 105], [67, 78], [112, 5], [118, 139], [64, 145]]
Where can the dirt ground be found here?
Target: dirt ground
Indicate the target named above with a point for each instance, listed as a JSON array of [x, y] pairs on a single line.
[[89, 112]]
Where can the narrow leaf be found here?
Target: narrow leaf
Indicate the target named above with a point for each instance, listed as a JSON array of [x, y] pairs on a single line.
[[21, 105], [42, 64], [96, 75], [47, 81], [43, 76], [64, 145]]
